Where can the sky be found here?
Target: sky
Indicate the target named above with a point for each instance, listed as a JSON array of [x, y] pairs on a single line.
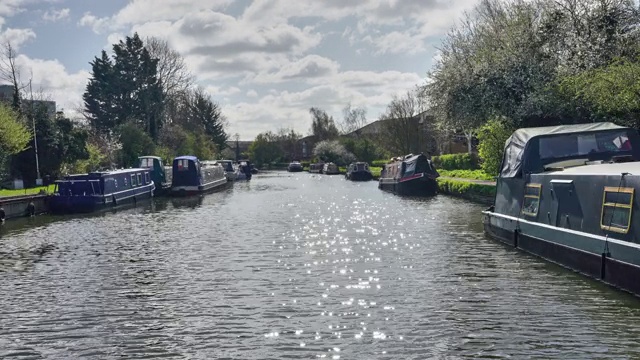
[[266, 62]]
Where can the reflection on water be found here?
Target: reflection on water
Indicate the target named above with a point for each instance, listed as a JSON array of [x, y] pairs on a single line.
[[295, 266]]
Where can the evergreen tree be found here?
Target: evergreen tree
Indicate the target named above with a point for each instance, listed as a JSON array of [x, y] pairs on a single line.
[[207, 114], [125, 89]]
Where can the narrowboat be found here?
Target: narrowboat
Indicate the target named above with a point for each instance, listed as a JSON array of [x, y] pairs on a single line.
[[157, 172], [412, 175], [567, 194], [243, 171], [190, 176], [294, 166], [330, 169], [83, 193], [358, 171], [229, 170], [316, 168]]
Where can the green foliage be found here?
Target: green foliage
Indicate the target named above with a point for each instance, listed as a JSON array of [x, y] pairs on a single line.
[[465, 188], [504, 59], [492, 137], [456, 162], [59, 141], [95, 161], [466, 174], [363, 148], [14, 136], [265, 149], [207, 116], [378, 163], [611, 93], [135, 142], [125, 89]]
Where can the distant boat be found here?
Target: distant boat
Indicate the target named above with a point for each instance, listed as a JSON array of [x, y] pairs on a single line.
[[294, 166], [190, 176], [316, 168], [409, 175], [358, 171], [157, 172], [243, 171], [229, 170], [83, 193], [330, 169]]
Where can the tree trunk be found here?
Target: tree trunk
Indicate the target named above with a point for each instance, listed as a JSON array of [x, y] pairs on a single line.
[[469, 136]]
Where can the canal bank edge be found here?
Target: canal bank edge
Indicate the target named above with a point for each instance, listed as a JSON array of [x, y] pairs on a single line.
[[482, 192]]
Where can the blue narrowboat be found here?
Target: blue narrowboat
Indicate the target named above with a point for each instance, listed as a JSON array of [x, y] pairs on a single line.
[[567, 194], [157, 171], [97, 190], [190, 176]]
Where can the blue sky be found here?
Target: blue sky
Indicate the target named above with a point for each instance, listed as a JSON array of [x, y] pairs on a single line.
[[266, 62]]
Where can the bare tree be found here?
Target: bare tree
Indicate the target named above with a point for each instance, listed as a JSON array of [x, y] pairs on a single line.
[[172, 70], [406, 128], [323, 127], [9, 72], [354, 119]]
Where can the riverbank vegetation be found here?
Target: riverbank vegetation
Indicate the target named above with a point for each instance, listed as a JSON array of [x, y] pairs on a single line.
[[140, 100]]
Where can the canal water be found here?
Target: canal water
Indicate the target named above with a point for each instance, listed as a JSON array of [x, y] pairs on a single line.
[[295, 266]]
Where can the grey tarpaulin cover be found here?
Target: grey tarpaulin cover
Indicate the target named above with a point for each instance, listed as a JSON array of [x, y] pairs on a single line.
[[515, 145]]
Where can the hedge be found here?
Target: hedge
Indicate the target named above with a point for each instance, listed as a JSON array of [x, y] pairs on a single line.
[[468, 190], [456, 161]]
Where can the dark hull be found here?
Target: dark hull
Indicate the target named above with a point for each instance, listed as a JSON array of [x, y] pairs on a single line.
[[87, 204], [359, 176], [577, 251], [420, 186], [294, 169]]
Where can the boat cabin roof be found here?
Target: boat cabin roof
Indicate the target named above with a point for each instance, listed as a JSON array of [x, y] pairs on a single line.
[[149, 157], [186, 157], [534, 150]]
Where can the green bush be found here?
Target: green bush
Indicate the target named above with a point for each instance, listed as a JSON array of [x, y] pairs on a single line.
[[456, 161], [378, 163], [466, 174], [465, 188], [492, 137]]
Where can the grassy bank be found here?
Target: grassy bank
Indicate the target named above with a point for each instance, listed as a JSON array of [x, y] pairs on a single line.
[[482, 193], [32, 191], [466, 174]]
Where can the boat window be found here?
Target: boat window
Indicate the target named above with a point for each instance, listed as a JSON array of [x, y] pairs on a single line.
[[589, 144], [617, 205], [115, 183], [133, 180], [182, 164], [146, 176], [139, 179], [146, 163], [531, 201]]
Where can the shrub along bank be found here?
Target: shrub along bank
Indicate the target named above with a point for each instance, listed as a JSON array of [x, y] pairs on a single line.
[[474, 191]]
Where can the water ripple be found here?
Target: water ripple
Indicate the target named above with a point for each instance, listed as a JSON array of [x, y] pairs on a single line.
[[295, 266]]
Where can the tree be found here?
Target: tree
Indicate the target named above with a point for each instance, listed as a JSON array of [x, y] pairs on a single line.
[[14, 136], [323, 127], [611, 93], [492, 137], [9, 72], [265, 149], [172, 70], [59, 141], [354, 119], [125, 89], [403, 125], [333, 151], [135, 142], [207, 115]]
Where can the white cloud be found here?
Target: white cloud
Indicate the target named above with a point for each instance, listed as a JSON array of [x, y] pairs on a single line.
[[309, 67], [56, 15], [97, 24], [53, 79], [252, 93], [216, 91], [10, 7], [16, 37]]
